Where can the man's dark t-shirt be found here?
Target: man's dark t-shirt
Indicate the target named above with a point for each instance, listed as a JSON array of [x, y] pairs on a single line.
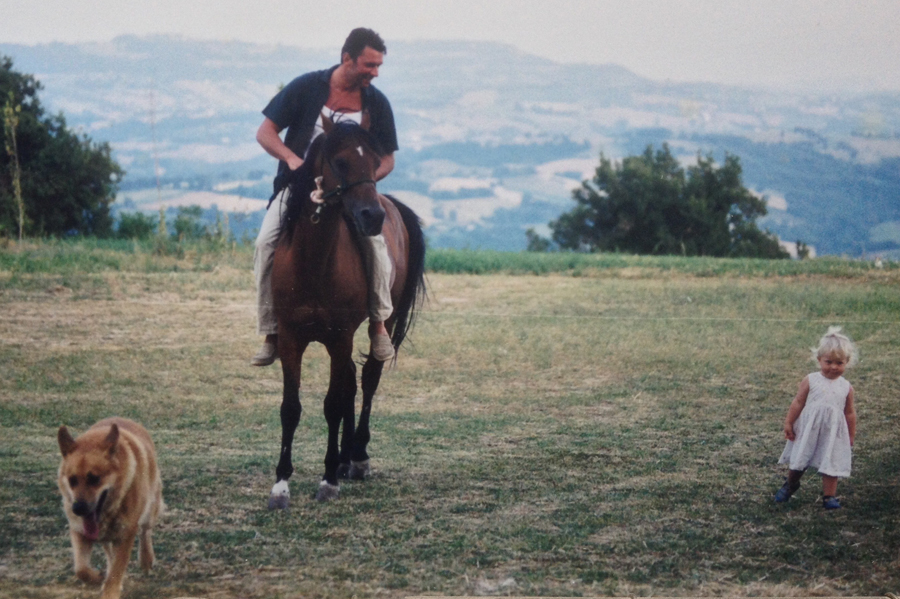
[[297, 107]]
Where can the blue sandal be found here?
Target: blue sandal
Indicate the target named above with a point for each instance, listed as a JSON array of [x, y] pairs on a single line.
[[829, 502], [785, 492]]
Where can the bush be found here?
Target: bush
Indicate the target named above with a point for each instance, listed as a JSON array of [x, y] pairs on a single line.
[[136, 225]]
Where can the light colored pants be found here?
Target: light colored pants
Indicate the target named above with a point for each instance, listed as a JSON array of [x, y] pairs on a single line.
[[379, 273]]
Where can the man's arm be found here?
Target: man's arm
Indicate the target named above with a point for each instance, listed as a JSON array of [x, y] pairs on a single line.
[[387, 165], [268, 138]]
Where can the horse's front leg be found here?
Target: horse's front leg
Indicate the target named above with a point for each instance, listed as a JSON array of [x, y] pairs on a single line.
[[348, 426], [291, 353], [338, 403]]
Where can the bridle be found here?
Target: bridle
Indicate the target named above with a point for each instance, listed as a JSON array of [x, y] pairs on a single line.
[[321, 197]]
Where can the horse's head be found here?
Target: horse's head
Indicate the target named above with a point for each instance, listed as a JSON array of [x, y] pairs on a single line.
[[347, 164]]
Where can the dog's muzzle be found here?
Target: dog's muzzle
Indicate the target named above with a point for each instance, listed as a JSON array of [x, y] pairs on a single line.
[[81, 508]]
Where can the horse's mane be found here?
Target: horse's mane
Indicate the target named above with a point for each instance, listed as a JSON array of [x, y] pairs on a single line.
[[302, 181]]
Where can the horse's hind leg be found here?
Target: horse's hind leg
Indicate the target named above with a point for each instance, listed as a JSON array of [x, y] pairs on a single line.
[[359, 458], [291, 354], [340, 397]]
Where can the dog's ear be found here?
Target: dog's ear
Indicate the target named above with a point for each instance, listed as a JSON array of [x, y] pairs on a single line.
[[66, 442], [366, 120], [112, 439]]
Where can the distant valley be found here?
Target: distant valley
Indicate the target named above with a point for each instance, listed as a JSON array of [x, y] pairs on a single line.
[[492, 139]]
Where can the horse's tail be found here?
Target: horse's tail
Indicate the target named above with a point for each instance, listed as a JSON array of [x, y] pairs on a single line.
[[414, 291]]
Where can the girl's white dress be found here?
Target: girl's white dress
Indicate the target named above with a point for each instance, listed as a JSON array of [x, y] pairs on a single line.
[[822, 439]]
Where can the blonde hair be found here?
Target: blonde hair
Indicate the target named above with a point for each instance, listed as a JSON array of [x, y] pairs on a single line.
[[836, 343]]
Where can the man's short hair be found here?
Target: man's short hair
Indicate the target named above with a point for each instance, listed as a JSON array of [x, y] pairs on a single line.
[[359, 39]]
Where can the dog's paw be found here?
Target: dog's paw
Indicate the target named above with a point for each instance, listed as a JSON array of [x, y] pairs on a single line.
[[146, 559], [90, 575]]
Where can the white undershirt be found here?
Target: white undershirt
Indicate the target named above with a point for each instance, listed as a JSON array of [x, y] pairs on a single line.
[[335, 117]]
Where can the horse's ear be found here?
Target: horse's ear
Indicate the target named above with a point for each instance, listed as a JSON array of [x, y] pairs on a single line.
[[327, 124], [366, 121]]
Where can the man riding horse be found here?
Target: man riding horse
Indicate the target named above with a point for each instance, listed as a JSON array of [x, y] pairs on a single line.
[[343, 92]]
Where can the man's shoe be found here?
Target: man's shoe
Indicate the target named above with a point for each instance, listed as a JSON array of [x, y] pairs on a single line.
[[382, 349], [266, 355]]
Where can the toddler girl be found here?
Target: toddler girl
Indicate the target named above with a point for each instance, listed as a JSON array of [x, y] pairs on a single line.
[[821, 422]]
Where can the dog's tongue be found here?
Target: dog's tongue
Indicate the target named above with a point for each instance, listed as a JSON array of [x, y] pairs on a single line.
[[91, 527]]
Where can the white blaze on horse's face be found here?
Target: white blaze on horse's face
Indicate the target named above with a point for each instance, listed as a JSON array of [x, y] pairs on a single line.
[[360, 150]]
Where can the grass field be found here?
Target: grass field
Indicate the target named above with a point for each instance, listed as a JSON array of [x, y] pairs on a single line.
[[609, 429]]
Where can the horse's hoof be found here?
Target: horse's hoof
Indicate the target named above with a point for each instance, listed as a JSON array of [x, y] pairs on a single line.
[[280, 497], [344, 471], [327, 492], [360, 470]]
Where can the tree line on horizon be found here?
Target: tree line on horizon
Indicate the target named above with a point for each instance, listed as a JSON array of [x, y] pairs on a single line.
[[56, 183]]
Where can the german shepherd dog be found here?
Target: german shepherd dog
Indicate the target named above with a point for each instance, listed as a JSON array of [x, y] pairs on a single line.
[[112, 492]]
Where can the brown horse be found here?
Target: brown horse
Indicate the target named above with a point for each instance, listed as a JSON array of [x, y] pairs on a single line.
[[320, 292]]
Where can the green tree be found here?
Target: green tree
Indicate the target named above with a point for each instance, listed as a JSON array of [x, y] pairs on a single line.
[[136, 225], [11, 112], [67, 180], [536, 243], [187, 223], [649, 204]]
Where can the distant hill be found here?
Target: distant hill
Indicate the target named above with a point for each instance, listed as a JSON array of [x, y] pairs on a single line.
[[492, 139]]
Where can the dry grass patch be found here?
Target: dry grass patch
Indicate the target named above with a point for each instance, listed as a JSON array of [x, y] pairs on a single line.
[[542, 435]]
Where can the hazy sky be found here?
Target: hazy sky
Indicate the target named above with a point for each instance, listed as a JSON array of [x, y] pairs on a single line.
[[824, 43]]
